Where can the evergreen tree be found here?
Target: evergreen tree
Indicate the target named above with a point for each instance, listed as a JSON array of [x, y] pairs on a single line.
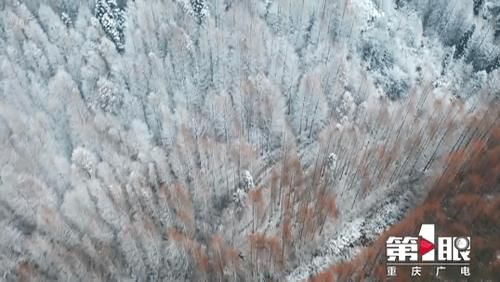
[[200, 10], [112, 20]]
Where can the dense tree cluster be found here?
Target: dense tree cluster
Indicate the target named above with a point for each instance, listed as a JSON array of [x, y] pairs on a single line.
[[463, 201], [112, 19], [172, 140]]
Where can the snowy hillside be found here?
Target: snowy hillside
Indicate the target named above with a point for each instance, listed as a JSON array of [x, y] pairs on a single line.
[[228, 140]]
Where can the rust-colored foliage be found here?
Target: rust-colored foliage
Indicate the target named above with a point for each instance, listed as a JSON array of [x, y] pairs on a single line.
[[464, 200], [329, 205], [231, 255], [267, 248], [255, 196], [258, 240], [181, 195], [287, 232], [26, 272], [274, 246], [180, 201], [201, 259], [175, 235], [218, 259], [326, 276]]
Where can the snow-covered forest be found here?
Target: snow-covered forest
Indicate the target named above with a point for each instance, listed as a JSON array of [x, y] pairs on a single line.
[[234, 140]]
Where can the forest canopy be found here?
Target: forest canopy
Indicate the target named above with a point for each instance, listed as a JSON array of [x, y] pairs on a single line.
[[219, 140]]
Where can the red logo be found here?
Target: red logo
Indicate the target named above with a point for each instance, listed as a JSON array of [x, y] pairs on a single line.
[[425, 246]]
